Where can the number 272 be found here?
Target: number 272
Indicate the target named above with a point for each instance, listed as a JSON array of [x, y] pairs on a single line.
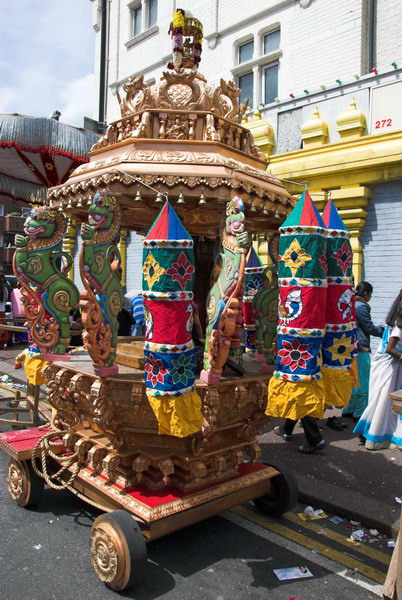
[[383, 123]]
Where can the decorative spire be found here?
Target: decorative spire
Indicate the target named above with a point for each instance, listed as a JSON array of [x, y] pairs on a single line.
[[314, 132], [351, 124], [263, 132], [331, 217], [304, 214]]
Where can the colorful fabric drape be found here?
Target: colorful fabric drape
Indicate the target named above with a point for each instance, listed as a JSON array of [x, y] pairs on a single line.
[[253, 283], [169, 371], [296, 389], [339, 345]]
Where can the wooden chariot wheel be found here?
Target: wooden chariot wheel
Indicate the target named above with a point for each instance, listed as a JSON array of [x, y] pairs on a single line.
[[118, 550], [24, 485]]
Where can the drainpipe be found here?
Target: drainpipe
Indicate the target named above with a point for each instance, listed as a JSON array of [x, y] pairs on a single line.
[[372, 35], [102, 66]]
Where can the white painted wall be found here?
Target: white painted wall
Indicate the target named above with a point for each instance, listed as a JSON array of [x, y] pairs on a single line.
[[321, 43]]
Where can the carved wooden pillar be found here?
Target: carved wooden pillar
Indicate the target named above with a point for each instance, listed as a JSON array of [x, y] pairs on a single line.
[[123, 252], [69, 242]]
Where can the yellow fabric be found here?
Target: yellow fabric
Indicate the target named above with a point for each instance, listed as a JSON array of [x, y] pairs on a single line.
[[354, 374], [33, 366], [338, 386], [177, 415], [295, 400]]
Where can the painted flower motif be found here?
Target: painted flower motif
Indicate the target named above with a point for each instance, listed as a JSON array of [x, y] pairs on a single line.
[[254, 285], [183, 369], [323, 263], [341, 349], [152, 270], [181, 270], [295, 257], [294, 354], [343, 257], [155, 371]]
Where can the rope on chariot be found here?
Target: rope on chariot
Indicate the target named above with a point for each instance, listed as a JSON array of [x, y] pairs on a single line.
[[44, 445]]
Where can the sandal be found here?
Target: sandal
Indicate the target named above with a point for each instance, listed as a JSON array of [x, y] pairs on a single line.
[[307, 449], [336, 423], [279, 431]]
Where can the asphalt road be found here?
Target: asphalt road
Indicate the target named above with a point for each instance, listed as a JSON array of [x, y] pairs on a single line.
[[44, 555]]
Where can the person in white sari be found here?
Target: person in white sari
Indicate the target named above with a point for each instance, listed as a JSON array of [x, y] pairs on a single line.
[[379, 427]]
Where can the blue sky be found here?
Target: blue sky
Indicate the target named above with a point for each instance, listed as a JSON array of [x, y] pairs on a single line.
[[47, 58]]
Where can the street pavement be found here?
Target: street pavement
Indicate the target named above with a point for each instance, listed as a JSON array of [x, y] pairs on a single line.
[[44, 551]]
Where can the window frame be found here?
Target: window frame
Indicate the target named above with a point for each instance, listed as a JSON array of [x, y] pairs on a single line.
[[265, 66], [146, 29], [133, 8], [241, 45], [263, 34], [248, 72], [259, 62], [148, 14]]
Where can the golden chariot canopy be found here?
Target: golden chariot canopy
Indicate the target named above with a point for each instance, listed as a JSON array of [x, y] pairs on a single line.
[[184, 138]]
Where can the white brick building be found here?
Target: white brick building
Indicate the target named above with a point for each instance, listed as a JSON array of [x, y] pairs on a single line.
[[272, 48]]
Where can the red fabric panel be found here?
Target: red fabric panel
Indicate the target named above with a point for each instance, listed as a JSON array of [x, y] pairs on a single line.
[[248, 313], [308, 304], [340, 307], [172, 324]]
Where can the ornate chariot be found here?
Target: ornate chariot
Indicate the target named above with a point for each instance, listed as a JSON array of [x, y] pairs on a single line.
[[183, 141]]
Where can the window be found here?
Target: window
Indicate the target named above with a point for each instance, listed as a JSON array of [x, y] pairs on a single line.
[[270, 83], [152, 12], [246, 52], [257, 66], [245, 83], [272, 41], [136, 20]]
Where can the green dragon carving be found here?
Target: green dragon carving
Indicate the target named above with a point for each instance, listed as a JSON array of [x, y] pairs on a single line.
[[266, 307], [41, 267], [225, 297], [99, 264]]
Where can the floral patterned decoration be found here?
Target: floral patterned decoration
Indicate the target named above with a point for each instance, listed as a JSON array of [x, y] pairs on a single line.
[[295, 257], [183, 370], [323, 263], [181, 271], [254, 285], [343, 257], [341, 349], [152, 270], [155, 371], [294, 354]]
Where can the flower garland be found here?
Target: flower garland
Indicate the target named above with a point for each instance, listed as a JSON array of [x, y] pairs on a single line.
[[176, 31], [177, 39]]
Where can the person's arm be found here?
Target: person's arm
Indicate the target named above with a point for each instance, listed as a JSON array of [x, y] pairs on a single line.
[[365, 322], [394, 338]]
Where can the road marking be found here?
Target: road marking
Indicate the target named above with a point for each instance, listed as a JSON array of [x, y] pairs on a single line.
[[341, 539], [354, 577], [303, 540]]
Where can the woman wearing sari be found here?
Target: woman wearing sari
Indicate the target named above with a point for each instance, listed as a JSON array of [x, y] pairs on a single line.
[[379, 427]]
